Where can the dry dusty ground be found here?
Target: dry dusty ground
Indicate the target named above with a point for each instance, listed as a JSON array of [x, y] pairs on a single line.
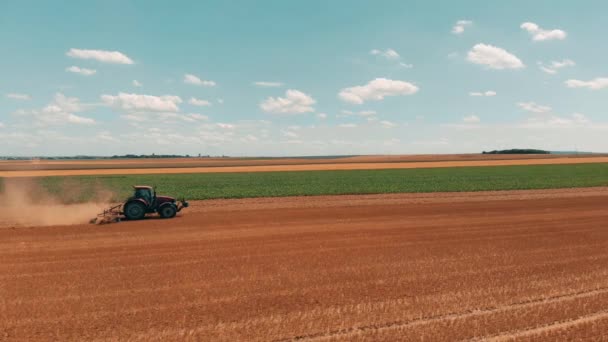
[[173, 166], [531, 265]]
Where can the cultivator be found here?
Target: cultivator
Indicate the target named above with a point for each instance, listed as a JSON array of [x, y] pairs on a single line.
[[110, 215]]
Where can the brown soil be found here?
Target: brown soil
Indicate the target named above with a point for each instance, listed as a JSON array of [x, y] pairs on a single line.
[[173, 166], [530, 265]]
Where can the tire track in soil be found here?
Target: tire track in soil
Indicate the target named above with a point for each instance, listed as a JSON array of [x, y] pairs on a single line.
[[344, 333]]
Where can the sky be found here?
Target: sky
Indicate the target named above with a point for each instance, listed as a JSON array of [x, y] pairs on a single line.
[[289, 78]]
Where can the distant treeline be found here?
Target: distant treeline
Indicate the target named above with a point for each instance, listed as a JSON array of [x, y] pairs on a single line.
[[518, 151], [125, 156]]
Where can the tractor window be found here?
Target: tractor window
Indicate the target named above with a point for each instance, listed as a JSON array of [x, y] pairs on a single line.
[[143, 193]]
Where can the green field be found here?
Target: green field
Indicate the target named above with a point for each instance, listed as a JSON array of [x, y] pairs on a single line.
[[269, 184]]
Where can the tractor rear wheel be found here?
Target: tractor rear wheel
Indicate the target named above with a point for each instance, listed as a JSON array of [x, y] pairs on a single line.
[[167, 211], [135, 211]]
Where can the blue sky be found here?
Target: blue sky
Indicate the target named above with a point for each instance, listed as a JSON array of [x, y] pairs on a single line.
[[301, 77]]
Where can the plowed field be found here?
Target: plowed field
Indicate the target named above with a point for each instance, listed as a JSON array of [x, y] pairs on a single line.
[[47, 168], [531, 265]]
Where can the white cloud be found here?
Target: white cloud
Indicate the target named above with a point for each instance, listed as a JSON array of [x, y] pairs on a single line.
[[61, 110], [322, 116], [594, 84], [553, 66], [460, 25], [225, 125], [376, 90], [388, 53], [103, 56], [364, 113], [1, 125], [81, 71], [192, 79], [220, 101], [539, 34], [294, 101], [136, 83], [198, 102], [289, 134], [387, 124], [347, 125], [471, 119], [534, 107], [138, 102], [574, 120], [17, 96], [494, 57], [484, 93], [268, 84], [197, 116], [367, 112], [392, 56]]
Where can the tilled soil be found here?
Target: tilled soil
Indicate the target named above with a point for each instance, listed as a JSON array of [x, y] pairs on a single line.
[[530, 265]]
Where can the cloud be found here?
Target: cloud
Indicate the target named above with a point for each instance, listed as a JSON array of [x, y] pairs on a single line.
[[265, 84], [539, 34], [136, 83], [103, 56], [364, 113], [192, 79], [471, 119], [574, 120], [225, 125], [594, 84], [391, 56], [60, 111], [322, 116], [138, 102], [553, 66], [294, 101], [460, 26], [534, 107], [220, 101], [387, 124], [347, 125], [485, 93], [388, 53], [17, 96], [376, 90], [81, 71], [1, 125], [198, 102], [493, 57]]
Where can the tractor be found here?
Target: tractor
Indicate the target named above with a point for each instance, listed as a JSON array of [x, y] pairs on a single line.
[[144, 201]]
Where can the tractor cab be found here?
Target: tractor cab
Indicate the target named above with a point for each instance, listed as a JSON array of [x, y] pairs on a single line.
[[145, 193]]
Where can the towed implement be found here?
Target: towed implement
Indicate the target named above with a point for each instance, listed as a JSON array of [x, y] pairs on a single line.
[[144, 201]]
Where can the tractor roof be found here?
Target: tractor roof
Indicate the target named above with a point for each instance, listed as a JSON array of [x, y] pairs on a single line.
[[142, 187]]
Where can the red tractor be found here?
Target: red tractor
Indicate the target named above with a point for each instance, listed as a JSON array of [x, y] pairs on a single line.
[[144, 201]]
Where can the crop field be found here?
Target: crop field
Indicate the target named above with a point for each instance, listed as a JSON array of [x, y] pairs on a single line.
[[529, 265], [494, 253], [308, 183]]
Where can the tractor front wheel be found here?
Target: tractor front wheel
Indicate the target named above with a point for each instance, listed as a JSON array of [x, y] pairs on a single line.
[[167, 211], [135, 211]]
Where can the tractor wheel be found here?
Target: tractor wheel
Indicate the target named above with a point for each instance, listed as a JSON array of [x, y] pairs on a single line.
[[135, 211], [167, 211]]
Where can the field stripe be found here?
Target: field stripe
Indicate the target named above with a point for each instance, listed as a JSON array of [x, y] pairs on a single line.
[[303, 167]]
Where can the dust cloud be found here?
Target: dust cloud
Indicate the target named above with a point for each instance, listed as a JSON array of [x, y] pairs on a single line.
[[27, 203]]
